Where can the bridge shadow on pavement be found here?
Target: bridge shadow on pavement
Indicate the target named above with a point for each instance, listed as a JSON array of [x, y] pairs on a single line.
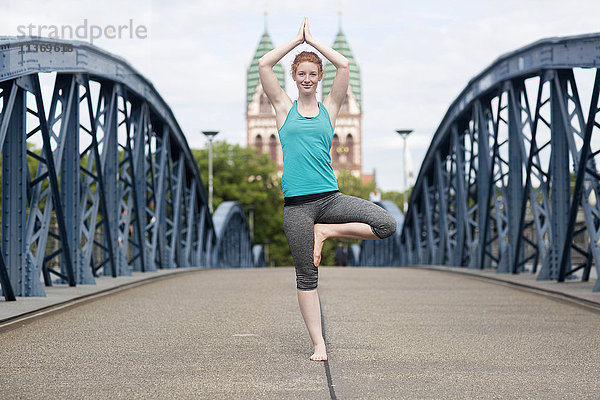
[[391, 333]]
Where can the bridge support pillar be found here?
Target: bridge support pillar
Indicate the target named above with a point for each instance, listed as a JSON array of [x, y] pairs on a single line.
[[483, 186], [14, 190], [515, 173], [110, 166], [144, 263], [560, 184], [69, 175]]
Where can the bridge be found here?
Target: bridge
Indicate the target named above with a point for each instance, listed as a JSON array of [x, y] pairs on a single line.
[[483, 291]]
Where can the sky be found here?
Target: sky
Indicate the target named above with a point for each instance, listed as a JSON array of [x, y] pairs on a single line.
[[414, 57]]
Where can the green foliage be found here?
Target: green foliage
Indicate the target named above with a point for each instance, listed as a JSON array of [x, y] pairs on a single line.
[[353, 186], [397, 197], [241, 174]]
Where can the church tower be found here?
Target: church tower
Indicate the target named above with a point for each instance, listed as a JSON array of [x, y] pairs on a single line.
[[260, 114], [346, 149]]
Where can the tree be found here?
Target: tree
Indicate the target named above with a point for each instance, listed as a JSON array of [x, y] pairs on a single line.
[[397, 197], [241, 174], [353, 186]]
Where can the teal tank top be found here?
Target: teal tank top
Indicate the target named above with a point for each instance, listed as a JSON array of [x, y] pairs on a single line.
[[306, 143]]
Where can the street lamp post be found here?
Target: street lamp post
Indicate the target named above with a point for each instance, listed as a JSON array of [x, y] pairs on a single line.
[[251, 209], [210, 136], [266, 249], [404, 133]]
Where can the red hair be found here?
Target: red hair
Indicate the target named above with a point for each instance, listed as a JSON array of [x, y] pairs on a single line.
[[307, 56]]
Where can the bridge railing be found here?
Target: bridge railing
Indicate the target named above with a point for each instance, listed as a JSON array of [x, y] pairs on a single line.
[[232, 249], [496, 188], [114, 187]]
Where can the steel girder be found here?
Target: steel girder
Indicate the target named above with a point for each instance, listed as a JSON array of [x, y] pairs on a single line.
[[512, 169], [232, 249], [114, 187]]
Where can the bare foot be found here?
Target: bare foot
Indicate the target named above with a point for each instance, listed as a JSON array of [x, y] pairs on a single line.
[[320, 238], [320, 353]]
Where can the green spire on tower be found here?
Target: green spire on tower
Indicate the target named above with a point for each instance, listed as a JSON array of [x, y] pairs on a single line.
[[264, 46], [340, 44]]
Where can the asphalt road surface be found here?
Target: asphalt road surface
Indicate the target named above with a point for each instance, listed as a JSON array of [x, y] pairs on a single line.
[[392, 333]]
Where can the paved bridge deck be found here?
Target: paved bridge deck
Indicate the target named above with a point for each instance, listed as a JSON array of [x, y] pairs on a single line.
[[391, 333]]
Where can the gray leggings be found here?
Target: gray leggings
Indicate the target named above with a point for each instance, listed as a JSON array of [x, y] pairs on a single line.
[[336, 208]]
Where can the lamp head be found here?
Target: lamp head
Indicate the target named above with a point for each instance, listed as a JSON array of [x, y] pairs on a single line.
[[404, 132], [210, 134]]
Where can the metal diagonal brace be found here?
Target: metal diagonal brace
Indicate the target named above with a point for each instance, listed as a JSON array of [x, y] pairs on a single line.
[[99, 167], [532, 151], [583, 159], [7, 289], [58, 208]]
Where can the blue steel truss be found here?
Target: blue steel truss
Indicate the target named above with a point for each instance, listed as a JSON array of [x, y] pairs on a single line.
[[496, 188], [232, 249], [116, 188], [379, 253]]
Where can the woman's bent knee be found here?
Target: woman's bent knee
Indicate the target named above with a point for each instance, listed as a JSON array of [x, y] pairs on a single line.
[[386, 227]]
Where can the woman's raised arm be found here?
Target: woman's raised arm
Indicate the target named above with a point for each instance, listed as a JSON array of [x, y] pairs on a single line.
[[333, 101], [278, 97]]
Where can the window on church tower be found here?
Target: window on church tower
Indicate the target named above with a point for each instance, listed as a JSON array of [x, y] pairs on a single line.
[[273, 148], [259, 144], [334, 148], [350, 146]]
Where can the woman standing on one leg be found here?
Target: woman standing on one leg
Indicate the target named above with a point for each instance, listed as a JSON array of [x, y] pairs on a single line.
[[314, 210]]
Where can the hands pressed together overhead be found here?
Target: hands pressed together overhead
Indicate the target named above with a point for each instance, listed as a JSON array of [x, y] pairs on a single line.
[[304, 33]]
